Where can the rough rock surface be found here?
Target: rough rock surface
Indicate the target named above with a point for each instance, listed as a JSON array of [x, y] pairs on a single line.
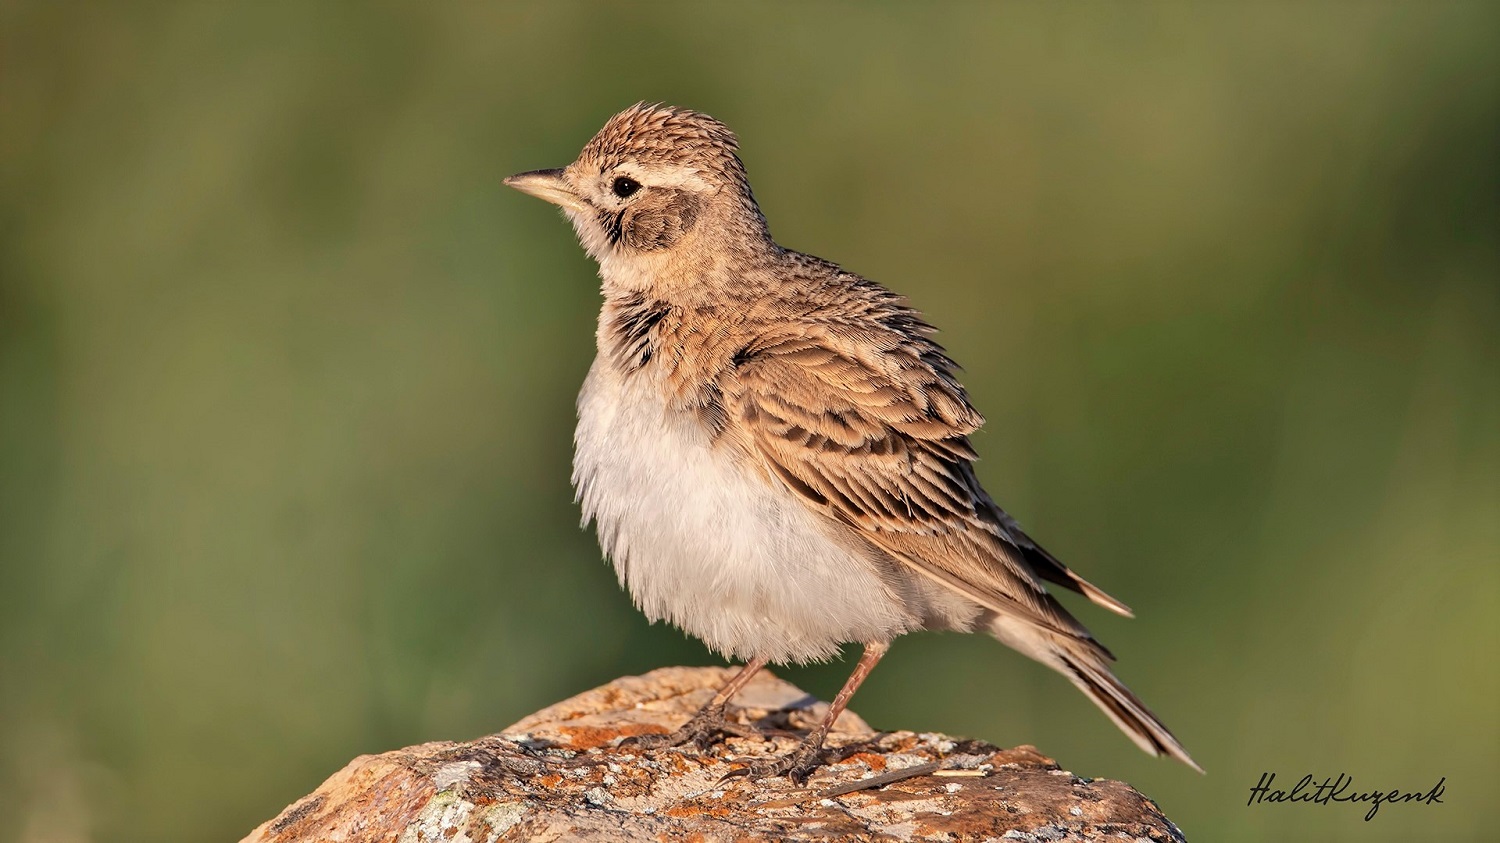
[[560, 775]]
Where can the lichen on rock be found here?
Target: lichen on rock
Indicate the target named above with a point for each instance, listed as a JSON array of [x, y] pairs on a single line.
[[563, 774]]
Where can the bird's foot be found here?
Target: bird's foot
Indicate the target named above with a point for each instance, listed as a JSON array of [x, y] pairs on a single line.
[[796, 765], [705, 729]]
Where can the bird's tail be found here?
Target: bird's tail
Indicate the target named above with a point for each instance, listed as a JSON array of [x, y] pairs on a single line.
[[1086, 666]]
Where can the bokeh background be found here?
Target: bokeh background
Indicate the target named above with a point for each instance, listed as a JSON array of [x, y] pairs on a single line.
[[286, 377]]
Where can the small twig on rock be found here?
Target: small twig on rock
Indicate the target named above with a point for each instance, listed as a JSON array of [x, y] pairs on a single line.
[[888, 777]]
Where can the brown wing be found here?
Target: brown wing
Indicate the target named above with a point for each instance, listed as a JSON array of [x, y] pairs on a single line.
[[868, 425]]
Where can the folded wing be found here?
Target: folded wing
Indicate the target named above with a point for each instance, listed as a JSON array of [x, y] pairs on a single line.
[[865, 421]]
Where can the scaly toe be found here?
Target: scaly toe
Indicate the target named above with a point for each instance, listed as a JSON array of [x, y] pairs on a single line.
[[701, 732], [654, 740], [797, 765]]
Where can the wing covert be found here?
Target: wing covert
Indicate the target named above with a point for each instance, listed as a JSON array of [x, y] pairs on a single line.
[[871, 428]]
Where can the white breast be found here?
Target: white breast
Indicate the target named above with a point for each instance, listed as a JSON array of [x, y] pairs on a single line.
[[707, 545]]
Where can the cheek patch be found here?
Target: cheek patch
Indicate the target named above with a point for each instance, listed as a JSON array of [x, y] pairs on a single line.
[[659, 224]]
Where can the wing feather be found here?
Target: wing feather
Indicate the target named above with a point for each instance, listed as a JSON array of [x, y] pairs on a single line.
[[868, 426]]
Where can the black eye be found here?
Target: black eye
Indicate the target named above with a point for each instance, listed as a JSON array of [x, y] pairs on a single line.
[[624, 186]]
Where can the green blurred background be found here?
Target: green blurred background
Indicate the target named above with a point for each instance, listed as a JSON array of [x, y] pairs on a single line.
[[286, 378]]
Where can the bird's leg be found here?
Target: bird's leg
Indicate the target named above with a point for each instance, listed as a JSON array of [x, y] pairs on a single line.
[[709, 723], [802, 761]]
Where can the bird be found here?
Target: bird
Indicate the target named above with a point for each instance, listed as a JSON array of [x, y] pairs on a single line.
[[774, 451]]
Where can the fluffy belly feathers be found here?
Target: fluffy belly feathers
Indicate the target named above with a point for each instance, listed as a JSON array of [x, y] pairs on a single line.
[[706, 544]]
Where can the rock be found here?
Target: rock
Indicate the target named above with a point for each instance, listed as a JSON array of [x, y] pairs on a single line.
[[560, 775]]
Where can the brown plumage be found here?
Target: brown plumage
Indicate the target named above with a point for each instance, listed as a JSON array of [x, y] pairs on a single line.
[[774, 450]]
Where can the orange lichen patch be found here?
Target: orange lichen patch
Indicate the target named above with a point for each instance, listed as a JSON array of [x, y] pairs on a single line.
[[687, 810], [551, 780], [678, 763], [590, 737], [876, 762]]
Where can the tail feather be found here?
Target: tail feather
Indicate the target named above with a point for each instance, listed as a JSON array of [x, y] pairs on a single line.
[[1125, 708], [1089, 670], [1098, 595], [1047, 566]]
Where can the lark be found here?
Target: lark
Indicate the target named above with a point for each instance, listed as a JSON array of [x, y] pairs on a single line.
[[775, 452]]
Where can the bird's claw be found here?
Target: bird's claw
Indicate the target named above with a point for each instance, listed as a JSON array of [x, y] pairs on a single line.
[[797, 765], [656, 740], [703, 731]]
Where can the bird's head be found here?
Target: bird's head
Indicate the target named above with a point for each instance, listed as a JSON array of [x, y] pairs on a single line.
[[652, 182]]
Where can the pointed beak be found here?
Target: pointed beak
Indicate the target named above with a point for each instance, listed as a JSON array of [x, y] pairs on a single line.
[[548, 186]]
